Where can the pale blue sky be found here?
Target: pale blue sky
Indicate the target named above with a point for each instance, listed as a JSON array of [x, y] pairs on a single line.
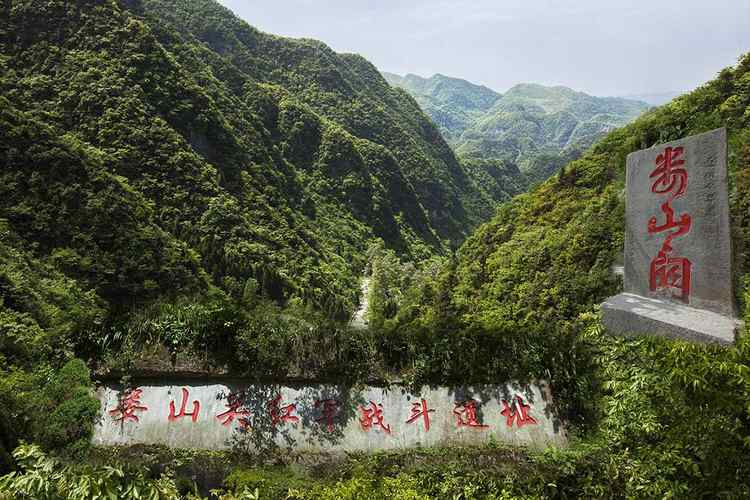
[[602, 47]]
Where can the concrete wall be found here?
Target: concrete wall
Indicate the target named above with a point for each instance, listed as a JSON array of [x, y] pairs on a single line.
[[146, 417]]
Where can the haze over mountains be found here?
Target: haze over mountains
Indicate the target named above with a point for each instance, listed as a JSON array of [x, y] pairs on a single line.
[[535, 127], [654, 98]]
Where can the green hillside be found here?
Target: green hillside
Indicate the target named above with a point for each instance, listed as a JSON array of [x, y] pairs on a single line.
[[535, 127], [531, 120], [659, 418], [150, 147], [175, 180], [452, 103], [181, 193]]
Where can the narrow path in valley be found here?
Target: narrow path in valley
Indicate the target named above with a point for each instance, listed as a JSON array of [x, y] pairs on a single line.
[[359, 319]]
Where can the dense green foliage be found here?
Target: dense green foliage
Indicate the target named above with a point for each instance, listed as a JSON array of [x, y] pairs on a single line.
[[45, 478], [663, 418], [178, 188], [537, 128], [492, 471], [181, 191]]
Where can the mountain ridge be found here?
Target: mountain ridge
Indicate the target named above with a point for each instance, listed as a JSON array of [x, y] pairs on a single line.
[[210, 134], [538, 127]]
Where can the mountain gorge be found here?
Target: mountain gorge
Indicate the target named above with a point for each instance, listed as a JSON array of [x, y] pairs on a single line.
[[174, 181], [154, 146], [535, 127], [186, 198]]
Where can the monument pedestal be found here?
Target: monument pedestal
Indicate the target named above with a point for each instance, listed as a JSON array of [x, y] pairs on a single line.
[[631, 314]]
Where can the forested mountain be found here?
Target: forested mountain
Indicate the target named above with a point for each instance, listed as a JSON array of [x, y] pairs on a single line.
[[158, 145], [172, 176], [183, 194], [535, 127], [669, 418], [452, 103]]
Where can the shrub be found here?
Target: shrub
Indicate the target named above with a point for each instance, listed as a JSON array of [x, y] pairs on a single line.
[[41, 477], [71, 409]]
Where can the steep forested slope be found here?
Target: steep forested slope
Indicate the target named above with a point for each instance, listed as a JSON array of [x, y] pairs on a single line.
[[171, 176], [666, 418], [156, 146], [343, 88]]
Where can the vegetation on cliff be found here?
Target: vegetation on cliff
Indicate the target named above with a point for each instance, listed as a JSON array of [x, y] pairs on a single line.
[[178, 187], [661, 417]]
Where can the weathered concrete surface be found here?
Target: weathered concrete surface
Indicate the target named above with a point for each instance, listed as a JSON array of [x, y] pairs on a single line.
[[632, 314], [677, 221], [529, 420]]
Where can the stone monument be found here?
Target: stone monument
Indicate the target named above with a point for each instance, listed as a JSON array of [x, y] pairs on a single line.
[[678, 255]]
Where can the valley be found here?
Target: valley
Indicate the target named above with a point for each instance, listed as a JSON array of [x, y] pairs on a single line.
[[236, 265]]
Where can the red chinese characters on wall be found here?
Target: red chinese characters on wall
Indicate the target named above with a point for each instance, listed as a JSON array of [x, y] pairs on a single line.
[[234, 403], [372, 416], [282, 413], [419, 409], [466, 414], [129, 403], [517, 412], [193, 415], [328, 409], [667, 271]]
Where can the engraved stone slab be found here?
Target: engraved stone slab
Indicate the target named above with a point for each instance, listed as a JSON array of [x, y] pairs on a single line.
[[222, 414], [677, 240]]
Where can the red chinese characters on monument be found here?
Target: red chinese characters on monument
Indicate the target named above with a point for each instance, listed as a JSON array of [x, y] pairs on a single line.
[[129, 403], [419, 409], [193, 415], [372, 415], [466, 414], [282, 413], [668, 272], [668, 172], [328, 408], [517, 412], [234, 403]]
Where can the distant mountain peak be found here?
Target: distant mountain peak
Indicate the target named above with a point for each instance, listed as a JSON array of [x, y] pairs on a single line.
[[528, 122], [415, 79]]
